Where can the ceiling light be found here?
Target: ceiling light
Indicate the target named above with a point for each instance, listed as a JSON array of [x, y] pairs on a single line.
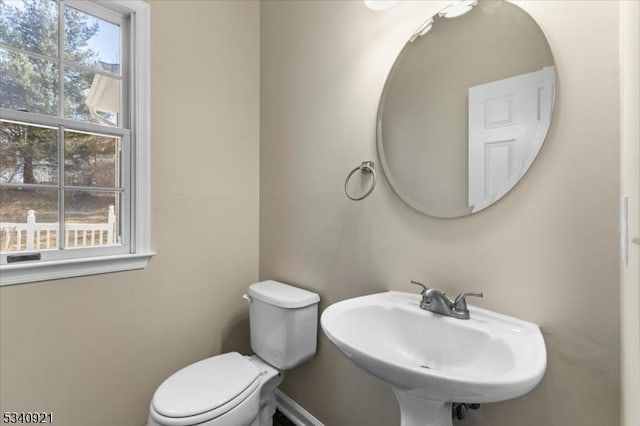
[[422, 30], [458, 8], [379, 4]]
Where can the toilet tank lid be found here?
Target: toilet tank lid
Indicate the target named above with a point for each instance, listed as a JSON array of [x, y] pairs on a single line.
[[282, 295]]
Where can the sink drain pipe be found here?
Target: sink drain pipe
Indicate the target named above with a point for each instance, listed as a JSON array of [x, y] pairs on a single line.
[[459, 409]]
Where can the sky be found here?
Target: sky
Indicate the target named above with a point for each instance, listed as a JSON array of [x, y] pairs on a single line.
[[106, 41]]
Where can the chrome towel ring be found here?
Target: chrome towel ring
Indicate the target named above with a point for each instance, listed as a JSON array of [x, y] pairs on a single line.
[[366, 167]]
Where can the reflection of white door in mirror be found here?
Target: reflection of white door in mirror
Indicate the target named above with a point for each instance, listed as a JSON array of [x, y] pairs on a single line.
[[508, 121]]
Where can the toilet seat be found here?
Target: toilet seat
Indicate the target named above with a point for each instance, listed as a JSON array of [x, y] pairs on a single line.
[[207, 390]]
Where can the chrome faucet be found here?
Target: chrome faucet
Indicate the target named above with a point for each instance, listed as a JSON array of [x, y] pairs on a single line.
[[436, 301]]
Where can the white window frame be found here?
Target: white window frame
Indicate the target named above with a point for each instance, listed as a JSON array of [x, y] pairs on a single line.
[[138, 107]]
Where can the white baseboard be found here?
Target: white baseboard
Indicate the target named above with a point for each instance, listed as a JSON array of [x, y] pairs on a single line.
[[294, 411]]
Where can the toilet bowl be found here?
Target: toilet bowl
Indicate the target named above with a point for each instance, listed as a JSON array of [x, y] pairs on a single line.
[[235, 390], [225, 390]]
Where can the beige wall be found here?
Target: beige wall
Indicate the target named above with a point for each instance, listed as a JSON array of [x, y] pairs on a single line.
[[547, 252], [92, 350]]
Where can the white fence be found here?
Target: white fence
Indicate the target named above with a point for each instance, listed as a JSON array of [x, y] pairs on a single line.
[[35, 236]]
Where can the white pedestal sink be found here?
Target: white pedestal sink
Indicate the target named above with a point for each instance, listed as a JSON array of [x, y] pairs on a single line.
[[432, 360]]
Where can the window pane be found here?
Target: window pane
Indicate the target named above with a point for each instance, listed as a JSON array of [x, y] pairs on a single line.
[[91, 97], [91, 160], [91, 41], [28, 154], [28, 219], [28, 84], [91, 218], [30, 25]]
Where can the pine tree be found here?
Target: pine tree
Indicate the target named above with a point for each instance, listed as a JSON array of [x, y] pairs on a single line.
[[31, 84]]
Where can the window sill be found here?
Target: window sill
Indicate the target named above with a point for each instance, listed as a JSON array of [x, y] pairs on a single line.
[[53, 270]]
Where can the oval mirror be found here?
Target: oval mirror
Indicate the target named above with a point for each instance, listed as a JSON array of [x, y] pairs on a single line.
[[466, 107]]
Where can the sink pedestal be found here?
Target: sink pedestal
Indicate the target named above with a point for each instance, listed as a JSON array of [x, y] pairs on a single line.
[[416, 411]]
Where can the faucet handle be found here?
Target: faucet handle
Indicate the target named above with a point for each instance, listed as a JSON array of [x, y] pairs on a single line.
[[424, 287], [460, 304]]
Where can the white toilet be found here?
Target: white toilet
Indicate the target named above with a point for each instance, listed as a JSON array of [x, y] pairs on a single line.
[[236, 390]]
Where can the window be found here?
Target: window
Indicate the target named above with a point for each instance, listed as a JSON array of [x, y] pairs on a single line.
[[74, 148]]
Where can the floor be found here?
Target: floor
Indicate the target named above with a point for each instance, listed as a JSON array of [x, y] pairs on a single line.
[[280, 419]]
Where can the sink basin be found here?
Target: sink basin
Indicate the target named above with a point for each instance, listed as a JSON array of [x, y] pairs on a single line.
[[432, 360]]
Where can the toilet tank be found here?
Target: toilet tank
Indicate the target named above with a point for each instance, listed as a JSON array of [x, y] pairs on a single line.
[[284, 323]]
